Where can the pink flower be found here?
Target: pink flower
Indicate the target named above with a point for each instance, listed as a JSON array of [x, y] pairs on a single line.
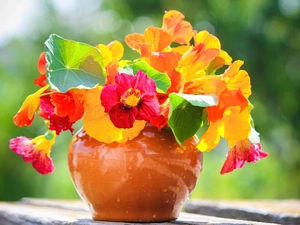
[[36, 151], [243, 151], [130, 98]]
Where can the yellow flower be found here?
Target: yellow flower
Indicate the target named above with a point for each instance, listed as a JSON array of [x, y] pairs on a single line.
[[234, 126]]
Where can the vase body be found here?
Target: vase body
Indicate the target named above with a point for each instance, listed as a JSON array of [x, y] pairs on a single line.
[[146, 179]]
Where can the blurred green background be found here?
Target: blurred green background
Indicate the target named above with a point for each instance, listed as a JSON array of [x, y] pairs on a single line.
[[263, 33]]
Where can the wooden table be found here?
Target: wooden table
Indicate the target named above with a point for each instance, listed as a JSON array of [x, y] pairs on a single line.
[[75, 212]]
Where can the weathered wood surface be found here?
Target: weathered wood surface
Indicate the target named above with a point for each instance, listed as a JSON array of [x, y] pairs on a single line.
[[74, 212], [285, 212]]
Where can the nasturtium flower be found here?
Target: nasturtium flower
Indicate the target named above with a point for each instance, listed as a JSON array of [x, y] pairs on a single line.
[[227, 98], [98, 125], [233, 126], [25, 115], [181, 30], [68, 104], [243, 151], [56, 122], [130, 98], [36, 151], [212, 42], [152, 46]]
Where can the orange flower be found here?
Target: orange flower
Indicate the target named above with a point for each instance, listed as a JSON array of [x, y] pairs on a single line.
[[174, 24], [229, 119], [212, 42], [25, 115], [152, 48], [233, 126]]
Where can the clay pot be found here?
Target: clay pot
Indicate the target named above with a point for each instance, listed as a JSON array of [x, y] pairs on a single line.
[[144, 180]]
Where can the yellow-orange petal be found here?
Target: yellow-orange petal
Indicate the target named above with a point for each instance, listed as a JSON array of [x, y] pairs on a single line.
[[117, 50], [209, 40], [164, 61], [106, 54], [137, 42], [174, 23], [210, 139], [25, 115], [222, 59], [205, 85], [238, 79], [44, 144], [157, 38], [235, 125]]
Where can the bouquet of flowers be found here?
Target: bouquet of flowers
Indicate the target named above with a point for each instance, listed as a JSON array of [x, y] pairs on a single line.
[[174, 84]]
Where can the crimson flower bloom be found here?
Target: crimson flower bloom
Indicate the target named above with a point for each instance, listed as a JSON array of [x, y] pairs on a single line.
[[36, 151], [243, 151], [130, 98]]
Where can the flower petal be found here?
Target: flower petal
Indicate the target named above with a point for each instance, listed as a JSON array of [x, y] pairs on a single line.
[[43, 164], [109, 97], [243, 151], [158, 38], [137, 42], [23, 147], [235, 125], [123, 83], [144, 84], [123, 117], [181, 31], [25, 115], [148, 109], [57, 123], [67, 104], [42, 63], [210, 139]]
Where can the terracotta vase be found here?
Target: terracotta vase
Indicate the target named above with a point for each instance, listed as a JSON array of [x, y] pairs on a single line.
[[144, 180]]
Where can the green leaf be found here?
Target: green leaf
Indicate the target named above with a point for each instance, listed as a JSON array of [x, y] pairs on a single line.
[[201, 100], [73, 64], [184, 118], [161, 80]]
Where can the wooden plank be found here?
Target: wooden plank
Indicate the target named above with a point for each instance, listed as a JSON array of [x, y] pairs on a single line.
[[61, 212], [285, 212]]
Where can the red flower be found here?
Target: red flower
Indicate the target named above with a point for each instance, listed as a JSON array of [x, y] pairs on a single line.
[[67, 104], [130, 98], [243, 151], [36, 151], [57, 123]]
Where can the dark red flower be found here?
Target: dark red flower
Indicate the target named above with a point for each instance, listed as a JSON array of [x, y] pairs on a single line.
[[130, 98]]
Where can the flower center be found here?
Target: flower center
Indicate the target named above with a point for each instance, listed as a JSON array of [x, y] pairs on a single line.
[[131, 97]]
